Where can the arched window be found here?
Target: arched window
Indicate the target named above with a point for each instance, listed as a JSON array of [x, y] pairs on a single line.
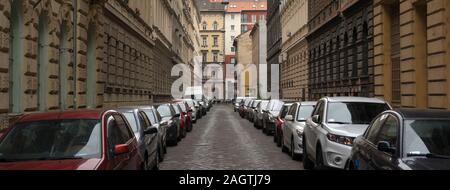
[[91, 81], [16, 53], [215, 25], [43, 60], [63, 64], [355, 54], [204, 26]]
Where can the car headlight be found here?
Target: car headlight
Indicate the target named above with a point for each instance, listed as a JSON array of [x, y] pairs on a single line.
[[299, 132], [341, 139]]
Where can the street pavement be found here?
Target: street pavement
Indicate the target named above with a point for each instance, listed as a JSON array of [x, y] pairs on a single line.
[[222, 140]]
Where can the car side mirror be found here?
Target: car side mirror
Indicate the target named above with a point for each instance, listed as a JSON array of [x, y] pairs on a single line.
[[121, 149], [151, 130], [289, 118], [316, 119], [177, 115], [190, 111], [384, 146]]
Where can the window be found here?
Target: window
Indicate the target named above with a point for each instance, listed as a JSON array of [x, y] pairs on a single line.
[[233, 60], [216, 41], [232, 38], [293, 110], [319, 110], [232, 17], [244, 18], [374, 129], [126, 132], [151, 116], [254, 18], [205, 41], [244, 28], [205, 57], [143, 119], [216, 57], [204, 26], [215, 25], [389, 131], [232, 27], [262, 17], [232, 49], [354, 112], [304, 112]]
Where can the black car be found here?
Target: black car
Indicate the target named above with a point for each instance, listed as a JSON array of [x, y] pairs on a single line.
[[405, 139], [270, 116], [169, 116]]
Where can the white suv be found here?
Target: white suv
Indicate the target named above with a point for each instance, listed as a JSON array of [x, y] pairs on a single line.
[[328, 136]]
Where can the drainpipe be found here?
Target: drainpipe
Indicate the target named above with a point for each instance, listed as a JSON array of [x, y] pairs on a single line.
[[75, 52]]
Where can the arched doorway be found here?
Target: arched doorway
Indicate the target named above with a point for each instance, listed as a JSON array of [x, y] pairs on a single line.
[[91, 69], [17, 58]]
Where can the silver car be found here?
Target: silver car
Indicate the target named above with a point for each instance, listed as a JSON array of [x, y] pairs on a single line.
[[328, 136], [292, 130], [258, 116], [251, 113]]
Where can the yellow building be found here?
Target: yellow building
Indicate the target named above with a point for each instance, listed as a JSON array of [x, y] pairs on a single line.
[[411, 52], [212, 31]]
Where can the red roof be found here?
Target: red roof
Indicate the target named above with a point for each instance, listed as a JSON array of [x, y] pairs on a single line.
[[237, 7]]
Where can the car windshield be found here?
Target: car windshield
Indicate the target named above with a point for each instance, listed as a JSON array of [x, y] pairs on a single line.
[[52, 140], [176, 108], [150, 116], [164, 111], [427, 137], [278, 105], [304, 112], [132, 120], [264, 105], [284, 111], [354, 112], [183, 107], [190, 103], [255, 103]]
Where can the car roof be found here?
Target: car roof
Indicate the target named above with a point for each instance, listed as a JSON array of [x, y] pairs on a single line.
[[308, 103], [58, 115], [354, 99], [410, 113]]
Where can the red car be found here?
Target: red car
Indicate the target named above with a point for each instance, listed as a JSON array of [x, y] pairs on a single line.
[[183, 119], [71, 140], [187, 112], [279, 122]]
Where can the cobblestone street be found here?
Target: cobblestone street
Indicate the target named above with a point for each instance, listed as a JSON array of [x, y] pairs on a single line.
[[224, 141]]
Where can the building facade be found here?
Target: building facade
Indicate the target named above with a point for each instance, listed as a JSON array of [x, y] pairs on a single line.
[[121, 55], [212, 31], [259, 52], [243, 45], [273, 39], [411, 53], [294, 50], [340, 43]]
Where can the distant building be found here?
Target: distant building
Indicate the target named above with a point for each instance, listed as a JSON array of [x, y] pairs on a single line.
[[259, 50], [273, 38], [243, 45]]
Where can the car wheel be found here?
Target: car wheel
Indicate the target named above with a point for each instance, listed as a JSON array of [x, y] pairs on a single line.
[[156, 167], [283, 147], [264, 127], [307, 163], [279, 140], [275, 137], [160, 154], [294, 156], [319, 159]]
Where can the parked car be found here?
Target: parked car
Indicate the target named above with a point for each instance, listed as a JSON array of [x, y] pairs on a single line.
[[187, 112], [183, 120], [258, 121], [156, 120], [335, 123], [203, 107], [294, 126], [237, 103], [405, 139], [193, 110], [148, 143], [251, 113], [270, 115], [199, 109], [168, 115], [71, 140], [243, 110], [277, 137]]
